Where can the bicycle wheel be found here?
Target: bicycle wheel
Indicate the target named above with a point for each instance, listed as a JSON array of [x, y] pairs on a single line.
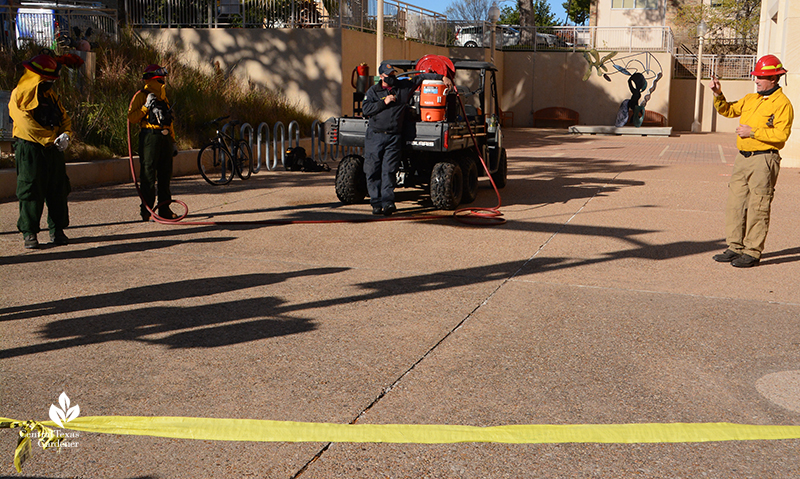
[[215, 164], [244, 160]]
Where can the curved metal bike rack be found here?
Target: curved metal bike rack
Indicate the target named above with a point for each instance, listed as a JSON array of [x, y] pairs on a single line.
[[262, 126], [243, 133], [294, 126], [278, 126]]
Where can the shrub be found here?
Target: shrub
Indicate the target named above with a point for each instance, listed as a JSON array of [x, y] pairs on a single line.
[[99, 108]]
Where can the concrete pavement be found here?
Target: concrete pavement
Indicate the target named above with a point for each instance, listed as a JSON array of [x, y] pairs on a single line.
[[596, 303]]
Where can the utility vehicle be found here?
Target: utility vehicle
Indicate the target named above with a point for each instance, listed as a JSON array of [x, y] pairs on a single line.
[[440, 156]]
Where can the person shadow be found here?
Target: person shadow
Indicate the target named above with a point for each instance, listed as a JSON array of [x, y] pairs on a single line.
[[787, 255]]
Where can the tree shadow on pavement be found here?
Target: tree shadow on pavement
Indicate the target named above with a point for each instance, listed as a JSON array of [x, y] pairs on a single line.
[[206, 325], [245, 319], [60, 253]]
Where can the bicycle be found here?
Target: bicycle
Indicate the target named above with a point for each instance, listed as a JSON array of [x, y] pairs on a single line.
[[217, 161]]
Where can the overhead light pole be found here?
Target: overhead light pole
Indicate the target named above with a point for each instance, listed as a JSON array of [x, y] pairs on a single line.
[[379, 35], [702, 29], [494, 16]]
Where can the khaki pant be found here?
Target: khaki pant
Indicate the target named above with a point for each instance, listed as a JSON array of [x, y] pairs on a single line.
[[750, 194]]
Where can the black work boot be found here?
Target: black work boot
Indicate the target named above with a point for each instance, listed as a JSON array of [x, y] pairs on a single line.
[[31, 242], [726, 256], [389, 209], [745, 261], [167, 214], [58, 238]]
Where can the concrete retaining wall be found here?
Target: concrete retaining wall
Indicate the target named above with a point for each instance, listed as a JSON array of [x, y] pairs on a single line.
[[114, 171]]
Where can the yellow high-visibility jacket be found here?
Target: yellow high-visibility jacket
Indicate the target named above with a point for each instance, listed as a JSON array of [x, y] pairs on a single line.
[[137, 113], [770, 117], [24, 100]]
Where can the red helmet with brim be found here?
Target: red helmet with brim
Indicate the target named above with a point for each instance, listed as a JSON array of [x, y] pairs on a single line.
[[44, 65], [768, 65]]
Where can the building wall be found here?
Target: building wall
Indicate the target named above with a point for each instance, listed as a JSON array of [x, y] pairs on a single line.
[[618, 17], [681, 109], [313, 67], [544, 79], [779, 34], [304, 64]]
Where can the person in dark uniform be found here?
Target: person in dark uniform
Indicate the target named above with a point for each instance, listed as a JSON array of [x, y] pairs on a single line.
[[150, 109], [386, 104], [42, 130]]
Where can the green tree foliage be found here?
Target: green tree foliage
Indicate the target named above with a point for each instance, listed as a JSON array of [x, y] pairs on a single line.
[[577, 10], [732, 25], [540, 11], [509, 15], [542, 14]]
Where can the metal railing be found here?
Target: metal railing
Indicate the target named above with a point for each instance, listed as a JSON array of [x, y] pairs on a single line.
[[562, 38], [400, 19], [50, 25], [730, 67]]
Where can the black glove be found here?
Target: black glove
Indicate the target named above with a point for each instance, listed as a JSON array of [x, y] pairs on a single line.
[[174, 149]]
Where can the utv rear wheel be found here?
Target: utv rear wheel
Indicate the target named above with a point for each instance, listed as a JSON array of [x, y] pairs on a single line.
[[446, 185], [500, 177], [351, 181], [470, 172]]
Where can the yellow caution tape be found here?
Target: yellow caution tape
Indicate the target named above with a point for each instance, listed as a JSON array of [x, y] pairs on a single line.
[[288, 431]]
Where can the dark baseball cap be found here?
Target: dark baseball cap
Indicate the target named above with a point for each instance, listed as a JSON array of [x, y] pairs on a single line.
[[385, 69]]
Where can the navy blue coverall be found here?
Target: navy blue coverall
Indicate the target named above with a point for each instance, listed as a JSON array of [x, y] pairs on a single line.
[[383, 143]]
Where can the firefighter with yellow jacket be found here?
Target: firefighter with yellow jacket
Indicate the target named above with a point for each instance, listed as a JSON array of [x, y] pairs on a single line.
[[42, 130], [151, 110], [765, 123]]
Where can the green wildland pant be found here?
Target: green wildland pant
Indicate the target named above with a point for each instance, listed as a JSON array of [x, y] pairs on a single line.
[[155, 161], [41, 179]]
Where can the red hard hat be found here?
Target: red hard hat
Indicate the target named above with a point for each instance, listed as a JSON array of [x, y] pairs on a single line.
[[44, 65], [768, 65], [153, 71]]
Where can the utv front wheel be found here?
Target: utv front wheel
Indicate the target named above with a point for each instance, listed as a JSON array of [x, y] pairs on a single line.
[[446, 185], [470, 172], [500, 177], [351, 181]]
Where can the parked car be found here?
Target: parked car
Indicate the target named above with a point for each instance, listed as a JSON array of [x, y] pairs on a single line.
[[476, 36], [548, 40]]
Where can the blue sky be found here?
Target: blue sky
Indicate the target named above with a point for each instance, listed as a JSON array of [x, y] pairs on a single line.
[[441, 5]]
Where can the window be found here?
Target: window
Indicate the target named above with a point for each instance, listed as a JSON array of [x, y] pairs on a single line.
[[630, 4]]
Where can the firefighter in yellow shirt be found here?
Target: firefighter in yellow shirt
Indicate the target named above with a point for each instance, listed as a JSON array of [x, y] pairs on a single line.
[[42, 130], [151, 110], [765, 124]]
